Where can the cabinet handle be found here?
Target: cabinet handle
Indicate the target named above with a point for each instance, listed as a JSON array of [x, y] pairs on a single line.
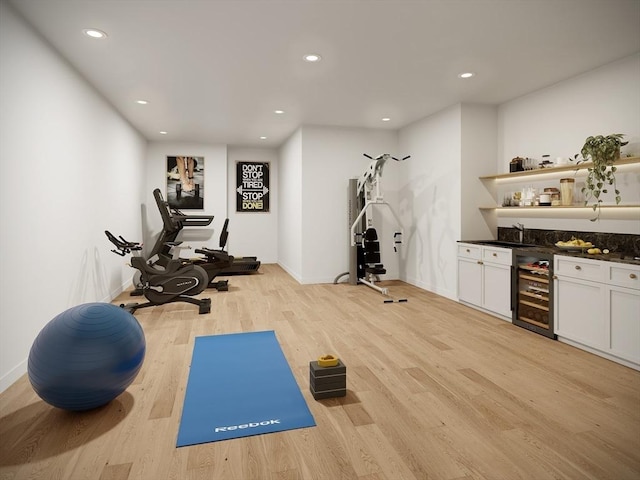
[[578, 267], [633, 276], [495, 254], [480, 262], [468, 251]]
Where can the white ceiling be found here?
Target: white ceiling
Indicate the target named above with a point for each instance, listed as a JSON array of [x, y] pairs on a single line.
[[214, 71]]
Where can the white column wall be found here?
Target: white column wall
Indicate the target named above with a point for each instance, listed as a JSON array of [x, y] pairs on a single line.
[[430, 200], [72, 167], [479, 144], [289, 196]]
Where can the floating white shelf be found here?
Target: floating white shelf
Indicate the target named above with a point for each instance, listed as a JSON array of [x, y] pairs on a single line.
[[557, 207], [545, 171], [623, 211]]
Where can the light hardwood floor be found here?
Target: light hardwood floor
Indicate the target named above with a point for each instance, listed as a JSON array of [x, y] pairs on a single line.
[[435, 391]]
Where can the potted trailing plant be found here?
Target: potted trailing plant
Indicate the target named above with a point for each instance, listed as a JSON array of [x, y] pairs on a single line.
[[603, 151]]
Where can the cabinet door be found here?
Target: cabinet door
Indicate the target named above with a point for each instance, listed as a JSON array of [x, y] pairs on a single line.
[[470, 282], [624, 308], [580, 314], [497, 288]]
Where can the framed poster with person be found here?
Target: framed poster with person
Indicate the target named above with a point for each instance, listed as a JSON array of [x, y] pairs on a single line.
[[185, 182]]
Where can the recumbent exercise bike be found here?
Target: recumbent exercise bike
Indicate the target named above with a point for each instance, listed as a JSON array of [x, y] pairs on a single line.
[[167, 248], [176, 282]]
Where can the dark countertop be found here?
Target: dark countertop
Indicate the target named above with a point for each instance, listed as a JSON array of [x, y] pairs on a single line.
[[619, 257]]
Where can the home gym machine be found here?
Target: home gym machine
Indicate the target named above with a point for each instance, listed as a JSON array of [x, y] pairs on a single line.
[[365, 193], [167, 249], [215, 262], [177, 282]]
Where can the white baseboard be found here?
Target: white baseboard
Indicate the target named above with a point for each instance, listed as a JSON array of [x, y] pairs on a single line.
[[13, 375], [430, 288], [290, 272], [613, 358]]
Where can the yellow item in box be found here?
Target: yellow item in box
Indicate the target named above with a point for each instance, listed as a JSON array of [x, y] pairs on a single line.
[[328, 361]]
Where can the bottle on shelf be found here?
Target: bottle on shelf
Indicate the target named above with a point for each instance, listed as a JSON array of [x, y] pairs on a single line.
[[566, 191]]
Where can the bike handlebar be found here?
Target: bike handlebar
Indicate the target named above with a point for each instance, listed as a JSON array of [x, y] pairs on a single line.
[[123, 246], [380, 156]]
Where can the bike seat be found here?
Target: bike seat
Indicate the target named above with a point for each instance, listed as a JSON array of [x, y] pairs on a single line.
[[215, 255]]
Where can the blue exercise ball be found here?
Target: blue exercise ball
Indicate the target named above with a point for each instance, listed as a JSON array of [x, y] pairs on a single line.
[[86, 356]]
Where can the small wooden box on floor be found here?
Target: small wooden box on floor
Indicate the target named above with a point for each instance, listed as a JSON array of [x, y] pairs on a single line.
[[327, 382]]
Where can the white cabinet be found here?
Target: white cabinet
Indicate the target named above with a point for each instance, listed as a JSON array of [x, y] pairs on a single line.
[[623, 306], [597, 307], [469, 274], [484, 277], [579, 312], [496, 294]]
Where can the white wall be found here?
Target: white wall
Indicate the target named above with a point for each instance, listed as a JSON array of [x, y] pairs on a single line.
[[430, 200], [289, 200], [557, 120], [72, 167], [215, 193], [253, 234], [330, 157]]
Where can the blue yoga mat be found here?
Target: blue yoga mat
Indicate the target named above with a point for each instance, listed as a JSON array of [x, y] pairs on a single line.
[[240, 385]]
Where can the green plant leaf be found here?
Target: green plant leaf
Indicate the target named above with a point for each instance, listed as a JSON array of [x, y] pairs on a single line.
[[603, 151]]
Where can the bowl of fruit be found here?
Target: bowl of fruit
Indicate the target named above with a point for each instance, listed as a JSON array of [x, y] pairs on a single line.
[[574, 245]]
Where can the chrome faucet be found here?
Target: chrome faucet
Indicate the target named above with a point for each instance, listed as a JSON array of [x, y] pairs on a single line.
[[520, 228]]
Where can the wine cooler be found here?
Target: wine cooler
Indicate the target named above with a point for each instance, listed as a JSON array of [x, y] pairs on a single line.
[[532, 291]]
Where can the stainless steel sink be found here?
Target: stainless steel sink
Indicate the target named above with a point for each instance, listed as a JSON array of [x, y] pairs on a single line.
[[501, 243]]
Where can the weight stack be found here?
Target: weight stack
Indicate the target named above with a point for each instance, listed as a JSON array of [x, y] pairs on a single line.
[[327, 382]]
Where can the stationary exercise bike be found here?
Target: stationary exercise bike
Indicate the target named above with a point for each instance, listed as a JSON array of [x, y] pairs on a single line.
[[176, 282], [166, 248]]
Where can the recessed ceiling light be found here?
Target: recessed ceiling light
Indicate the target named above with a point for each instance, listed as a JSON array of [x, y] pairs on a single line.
[[466, 75], [142, 102], [312, 57], [263, 138], [386, 119], [279, 112], [94, 33], [163, 133]]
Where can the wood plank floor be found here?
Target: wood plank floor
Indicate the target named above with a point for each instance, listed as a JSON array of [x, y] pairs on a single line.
[[435, 391]]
